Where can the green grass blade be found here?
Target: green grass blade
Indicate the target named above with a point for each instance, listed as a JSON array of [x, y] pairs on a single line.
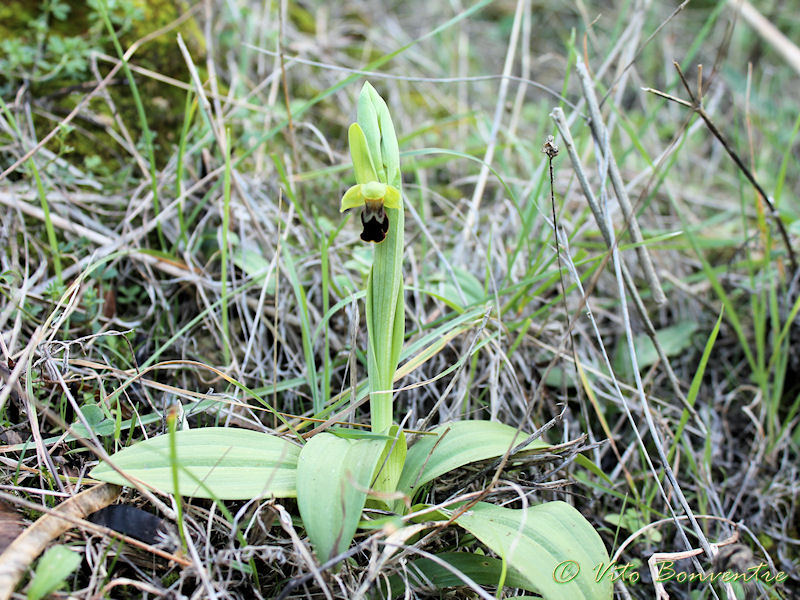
[[305, 324]]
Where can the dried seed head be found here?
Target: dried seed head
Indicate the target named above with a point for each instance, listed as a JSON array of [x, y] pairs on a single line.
[[550, 147]]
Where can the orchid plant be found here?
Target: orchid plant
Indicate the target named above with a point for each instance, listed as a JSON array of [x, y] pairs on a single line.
[[547, 548]]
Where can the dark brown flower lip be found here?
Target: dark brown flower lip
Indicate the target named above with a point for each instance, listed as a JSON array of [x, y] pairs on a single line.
[[375, 224]]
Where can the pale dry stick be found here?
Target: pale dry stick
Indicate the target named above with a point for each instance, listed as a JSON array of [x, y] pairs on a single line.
[[480, 186], [600, 135], [139, 585], [67, 225], [201, 93], [558, 117], [655, 572], [645, 407], [524, 72], [603, 166], [125, 141], [651, 426], [394, 77], [177, 83], [660, 592], [110, 245], [130, 52], [626, 56], [199, 567], [632, 537], [770, 34], [649, 39]]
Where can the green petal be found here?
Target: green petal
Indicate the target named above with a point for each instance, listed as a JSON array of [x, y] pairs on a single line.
[[392, 198], [374, 190], [352, 198], [359, 151]]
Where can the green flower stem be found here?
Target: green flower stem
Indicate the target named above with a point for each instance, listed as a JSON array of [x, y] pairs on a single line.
[[385, 320], [376, 162]]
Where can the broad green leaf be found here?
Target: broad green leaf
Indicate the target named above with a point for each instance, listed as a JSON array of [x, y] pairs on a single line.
[[52, 571], [333, 475], [674, 340], [424, 572], [457, 444], [92, 413], [558, 377], [631, 520], [214, 462], [94, 417], [469, 285], [551, 546], [252, 262]]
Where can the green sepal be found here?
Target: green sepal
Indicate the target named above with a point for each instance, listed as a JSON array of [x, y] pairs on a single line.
[[360, 153], [353, 198]]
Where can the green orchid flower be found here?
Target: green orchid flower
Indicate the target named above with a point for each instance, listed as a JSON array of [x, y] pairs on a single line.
[[369, 192]]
